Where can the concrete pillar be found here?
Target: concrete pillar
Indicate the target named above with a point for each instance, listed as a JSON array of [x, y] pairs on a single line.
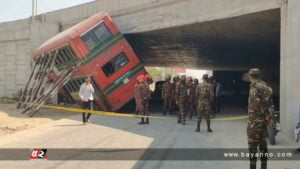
[[289, 66]]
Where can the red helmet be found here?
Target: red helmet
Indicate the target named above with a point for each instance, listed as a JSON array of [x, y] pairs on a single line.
[[141, 78]]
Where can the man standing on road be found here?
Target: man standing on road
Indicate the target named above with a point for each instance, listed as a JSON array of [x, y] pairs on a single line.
[[136, 96], [174, 104], [86, 95], [204, 97], [144, 95], [212, 81], [259, 117], [191, 104], [181, 99], [167, 92]]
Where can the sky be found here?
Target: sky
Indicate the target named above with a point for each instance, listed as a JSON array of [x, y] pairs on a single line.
[[18, 9]]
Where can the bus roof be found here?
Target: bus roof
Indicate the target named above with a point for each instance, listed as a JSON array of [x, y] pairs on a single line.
[[64, 37]]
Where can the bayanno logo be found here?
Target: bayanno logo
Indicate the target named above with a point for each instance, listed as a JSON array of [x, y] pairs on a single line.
[[38, 154]]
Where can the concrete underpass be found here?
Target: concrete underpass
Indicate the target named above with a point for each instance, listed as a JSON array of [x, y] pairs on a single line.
[[228, 47]]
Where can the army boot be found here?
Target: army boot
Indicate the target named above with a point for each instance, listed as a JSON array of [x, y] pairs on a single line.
[[198, 126], [142, 121], [147, 120], [179, 119], [208, 125]]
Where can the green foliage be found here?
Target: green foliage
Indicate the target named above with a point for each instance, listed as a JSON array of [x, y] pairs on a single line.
[[156, 73]]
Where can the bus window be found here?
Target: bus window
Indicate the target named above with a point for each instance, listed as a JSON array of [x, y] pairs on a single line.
[[115, 64], [65, 55], [96, 35]]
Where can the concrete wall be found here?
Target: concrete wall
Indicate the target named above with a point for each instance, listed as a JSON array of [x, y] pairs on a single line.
[[289, 68], [19, 38], [14, 56], [17, 41]]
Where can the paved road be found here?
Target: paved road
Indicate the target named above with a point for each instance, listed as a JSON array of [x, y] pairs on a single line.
[[117, 132]]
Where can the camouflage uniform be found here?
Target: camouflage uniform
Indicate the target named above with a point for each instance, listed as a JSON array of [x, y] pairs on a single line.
[[144, 97], [204, 95], [136, 98], [181, 99], [174, 104], [192, 99], [259, 102], [167, 90], [213, 103]]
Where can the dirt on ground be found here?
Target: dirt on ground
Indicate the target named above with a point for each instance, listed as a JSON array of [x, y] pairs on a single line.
[[12, 120]]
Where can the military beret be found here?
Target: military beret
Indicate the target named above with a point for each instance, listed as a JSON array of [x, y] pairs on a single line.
[[254, 71]]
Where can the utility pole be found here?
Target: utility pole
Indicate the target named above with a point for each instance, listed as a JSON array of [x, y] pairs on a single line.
[[34, 8]]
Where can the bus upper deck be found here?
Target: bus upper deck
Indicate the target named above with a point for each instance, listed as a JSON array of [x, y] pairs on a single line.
[[99, 50]]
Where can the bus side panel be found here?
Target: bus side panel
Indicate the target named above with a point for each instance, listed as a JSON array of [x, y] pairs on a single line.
[[79, 47], [124, 93], [96, 65], [110, 24]]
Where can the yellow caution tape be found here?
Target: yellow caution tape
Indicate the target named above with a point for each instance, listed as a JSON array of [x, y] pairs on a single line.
[[233, 118], [98, 112]]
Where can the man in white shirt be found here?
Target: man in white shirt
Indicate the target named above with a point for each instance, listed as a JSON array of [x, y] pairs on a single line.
[[86, 95]]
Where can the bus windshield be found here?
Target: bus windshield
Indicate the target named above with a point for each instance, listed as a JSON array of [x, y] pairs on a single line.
[[96, 35]]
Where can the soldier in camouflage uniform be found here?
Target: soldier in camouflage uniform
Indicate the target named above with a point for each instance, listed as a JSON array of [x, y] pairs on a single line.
[[167, 92], [189, 82], [204, 98], [181, 99], [259, 112], [174, 104], [191, 101], [143, 95], [212, 81], [136, 95]]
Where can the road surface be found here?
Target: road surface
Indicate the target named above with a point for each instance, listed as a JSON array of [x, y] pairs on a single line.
[[120, 132]]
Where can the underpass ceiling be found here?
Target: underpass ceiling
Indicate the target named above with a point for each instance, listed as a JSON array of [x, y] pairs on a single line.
[[251, 40]]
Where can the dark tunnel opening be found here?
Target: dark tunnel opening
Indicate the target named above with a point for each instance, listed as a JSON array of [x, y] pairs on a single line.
[[229, 47]]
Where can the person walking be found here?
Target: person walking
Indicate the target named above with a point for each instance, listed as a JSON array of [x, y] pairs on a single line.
[[86, 95]]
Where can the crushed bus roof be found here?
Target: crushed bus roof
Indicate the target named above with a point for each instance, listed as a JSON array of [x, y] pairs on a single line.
[[67, 35]]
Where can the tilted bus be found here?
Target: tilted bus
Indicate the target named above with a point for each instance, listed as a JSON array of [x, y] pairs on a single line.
[[107, 58]]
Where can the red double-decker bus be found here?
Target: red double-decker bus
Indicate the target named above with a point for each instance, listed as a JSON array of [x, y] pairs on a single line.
[[106, 57]]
